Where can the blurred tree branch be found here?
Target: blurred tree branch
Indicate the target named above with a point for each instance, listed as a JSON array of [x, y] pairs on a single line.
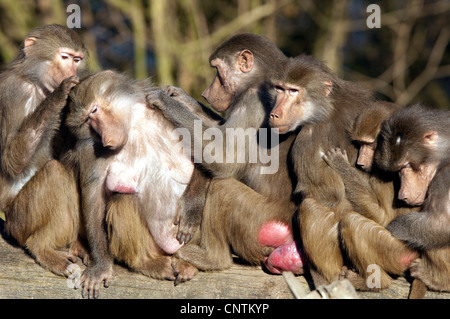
[[88, 37], [240, 22], [409, 38], [406, 60], [414, 12], [329, 45], [431, 69], [135, 11], [162, 32]]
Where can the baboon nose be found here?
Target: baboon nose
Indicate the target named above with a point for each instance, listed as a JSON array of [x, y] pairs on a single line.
[[274, 116]]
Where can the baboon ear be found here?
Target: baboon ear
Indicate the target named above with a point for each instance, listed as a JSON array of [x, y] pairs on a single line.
[[245, 61], [328, 87], [28, 43], [430, 138]]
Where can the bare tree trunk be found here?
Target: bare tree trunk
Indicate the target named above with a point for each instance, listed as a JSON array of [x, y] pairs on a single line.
[[138, 24], [160, 21], [328, 47]]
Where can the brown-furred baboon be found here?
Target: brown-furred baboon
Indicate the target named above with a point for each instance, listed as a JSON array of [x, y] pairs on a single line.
[[310, 96], [249, 206], [131, 176], [38, 195], [414, 143], [372, 194]]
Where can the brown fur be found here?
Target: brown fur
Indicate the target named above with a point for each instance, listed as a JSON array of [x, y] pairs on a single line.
[[333, 106], [43, 223], [38, 195], [415, 143], [235, 210], [428, 228], [433, 268], [363, 233], [135, 228], [130, 240]]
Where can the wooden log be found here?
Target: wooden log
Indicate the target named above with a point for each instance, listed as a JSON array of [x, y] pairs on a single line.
[[21, 277]]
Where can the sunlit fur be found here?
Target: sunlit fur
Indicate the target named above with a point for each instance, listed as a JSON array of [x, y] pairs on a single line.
[[38, 195], [402, 138], [416, 141]]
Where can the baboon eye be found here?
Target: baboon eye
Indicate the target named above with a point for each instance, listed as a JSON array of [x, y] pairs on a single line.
[[94, 109], [278, 89]]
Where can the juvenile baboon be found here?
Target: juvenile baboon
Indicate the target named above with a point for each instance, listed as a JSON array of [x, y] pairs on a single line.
[[38, 195]]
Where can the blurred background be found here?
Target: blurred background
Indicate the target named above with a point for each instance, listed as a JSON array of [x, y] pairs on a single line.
[[406, 60]]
